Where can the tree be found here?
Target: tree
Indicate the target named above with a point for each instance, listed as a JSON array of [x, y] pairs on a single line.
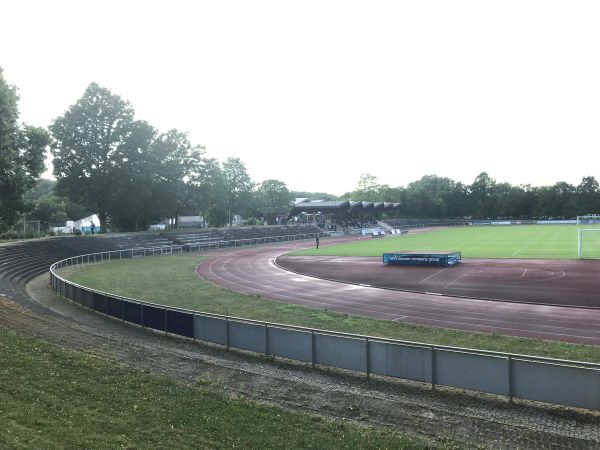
[[482, 196], [42, 188], [239, 187], [434, 197], [22, 151], [367, 190], [588, 196], [92, 140], [314, 195], [274, 198], [177, 162], [209, 190]]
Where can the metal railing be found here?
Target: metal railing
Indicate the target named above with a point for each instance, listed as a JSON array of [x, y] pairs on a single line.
[[572, 383]]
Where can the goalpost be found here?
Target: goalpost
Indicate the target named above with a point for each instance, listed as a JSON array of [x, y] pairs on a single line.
[[588, 236], [588, 221], [591, 248]]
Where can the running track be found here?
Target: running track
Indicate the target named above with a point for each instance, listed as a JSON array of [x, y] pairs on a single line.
[[253, 270]]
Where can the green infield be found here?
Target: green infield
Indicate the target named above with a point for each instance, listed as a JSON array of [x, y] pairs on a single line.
[[525, 241], [172, 281]]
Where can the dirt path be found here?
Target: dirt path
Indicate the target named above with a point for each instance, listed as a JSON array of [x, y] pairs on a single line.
[[413, 408]]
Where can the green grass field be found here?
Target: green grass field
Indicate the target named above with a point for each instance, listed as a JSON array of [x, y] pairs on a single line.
[[171, 280], [526, 241], [56, 399]]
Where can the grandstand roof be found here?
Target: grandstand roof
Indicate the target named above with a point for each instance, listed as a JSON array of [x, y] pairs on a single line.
[[322, 206]]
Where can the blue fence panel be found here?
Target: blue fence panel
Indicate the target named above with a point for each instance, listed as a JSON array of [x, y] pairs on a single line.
[[79, 293], [292, 344], [154, 317], [88, 299], [472, 371], [181, 323], [114, 307], [248, 336], [133, 312], [397, 360], [343, 352], [210, 329], [553, 383], [100, 303]]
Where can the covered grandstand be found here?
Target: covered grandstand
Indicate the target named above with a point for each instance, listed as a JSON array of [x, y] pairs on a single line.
[[342, 212]]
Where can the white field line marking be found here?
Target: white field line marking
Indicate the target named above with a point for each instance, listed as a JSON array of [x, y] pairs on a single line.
[[433, 275], [524, 272], [516, 252], [399, 318], [452, 282]]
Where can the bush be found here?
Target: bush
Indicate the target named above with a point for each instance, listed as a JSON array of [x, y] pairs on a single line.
[[253, 221]]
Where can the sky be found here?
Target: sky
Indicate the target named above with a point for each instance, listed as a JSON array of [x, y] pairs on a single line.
[[315, 93]]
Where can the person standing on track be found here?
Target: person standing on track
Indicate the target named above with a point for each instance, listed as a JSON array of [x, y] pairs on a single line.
[[317, 241]]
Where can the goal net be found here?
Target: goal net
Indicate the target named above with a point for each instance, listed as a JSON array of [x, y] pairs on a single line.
[[588, 243], [588, 221]]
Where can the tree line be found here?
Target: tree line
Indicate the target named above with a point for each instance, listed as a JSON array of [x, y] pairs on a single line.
[[123, 169], [433, 196], [131, 175]]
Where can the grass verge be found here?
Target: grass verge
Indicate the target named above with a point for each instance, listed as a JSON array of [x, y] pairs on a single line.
[[53, 398], [172, 280]]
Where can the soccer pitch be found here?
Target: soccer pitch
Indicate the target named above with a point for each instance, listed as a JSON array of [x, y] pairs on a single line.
[[516, 241]]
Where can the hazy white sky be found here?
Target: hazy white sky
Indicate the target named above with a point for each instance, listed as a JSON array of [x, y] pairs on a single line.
[[314, 93]]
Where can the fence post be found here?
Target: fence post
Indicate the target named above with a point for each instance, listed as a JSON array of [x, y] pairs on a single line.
[[368, 354], [166, 326], [433, 368], [123, 309], [227, 332], [313, 347], [510, 380], [266, 339]]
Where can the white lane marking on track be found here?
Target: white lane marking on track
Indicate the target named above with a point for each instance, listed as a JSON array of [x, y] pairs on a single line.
[[433, 275], [524, 272], [458, 278]]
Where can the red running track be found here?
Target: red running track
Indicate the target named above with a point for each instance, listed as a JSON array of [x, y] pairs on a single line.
[[253, 270]]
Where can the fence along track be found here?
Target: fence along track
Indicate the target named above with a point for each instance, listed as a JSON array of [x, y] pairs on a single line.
[[563, 382]]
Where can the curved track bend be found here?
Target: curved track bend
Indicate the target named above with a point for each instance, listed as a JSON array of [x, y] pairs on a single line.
[[254, 270]]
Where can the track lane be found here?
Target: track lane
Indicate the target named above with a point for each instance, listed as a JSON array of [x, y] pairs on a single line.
[[254, 271]]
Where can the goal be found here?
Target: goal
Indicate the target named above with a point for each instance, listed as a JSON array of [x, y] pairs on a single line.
[[588, 221], [588, 243]]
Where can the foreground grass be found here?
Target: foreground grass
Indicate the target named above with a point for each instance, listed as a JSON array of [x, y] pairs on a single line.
[[171, 280], [526, 241], [52, 398]]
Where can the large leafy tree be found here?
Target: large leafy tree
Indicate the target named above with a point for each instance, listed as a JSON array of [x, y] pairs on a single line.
[[239, 187], [588, 196], [209, 191], [93, 140], [22, 150], [483, 196], [176, 162], [273, 198]]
